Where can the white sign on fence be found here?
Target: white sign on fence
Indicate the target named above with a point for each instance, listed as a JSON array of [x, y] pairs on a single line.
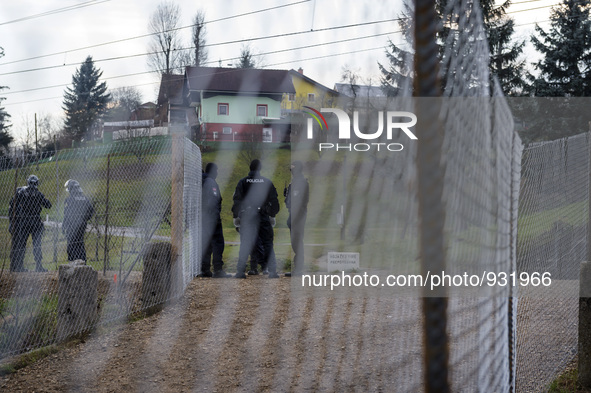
[[343, 261]]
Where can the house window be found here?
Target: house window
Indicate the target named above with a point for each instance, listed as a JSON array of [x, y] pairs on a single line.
[[261, 110], [291, 97], [311, 97], [223, 109], [215, 135], [227, 130]]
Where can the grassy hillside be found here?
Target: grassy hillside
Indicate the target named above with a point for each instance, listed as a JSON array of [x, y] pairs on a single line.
[[375, 205]]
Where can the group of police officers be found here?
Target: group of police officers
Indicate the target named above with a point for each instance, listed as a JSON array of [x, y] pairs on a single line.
[[24, 219], [255, 205]]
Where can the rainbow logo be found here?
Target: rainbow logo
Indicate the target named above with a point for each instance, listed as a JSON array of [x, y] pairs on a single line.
[[314, 114]]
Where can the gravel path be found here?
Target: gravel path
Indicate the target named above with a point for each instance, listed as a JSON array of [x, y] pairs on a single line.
[[255, 335]]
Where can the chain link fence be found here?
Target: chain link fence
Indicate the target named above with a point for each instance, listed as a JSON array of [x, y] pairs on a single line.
[[115, 217], [551, 237]]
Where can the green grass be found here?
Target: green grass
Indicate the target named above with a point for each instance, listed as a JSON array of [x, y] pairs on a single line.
[[29, 358], [567, 382], [133, 183], [533, 225]]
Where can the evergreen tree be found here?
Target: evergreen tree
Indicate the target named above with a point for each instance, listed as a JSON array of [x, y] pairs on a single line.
[[505, 62], [566, 47], [85, 101], [246, 59], [5, 137], [397, 75]]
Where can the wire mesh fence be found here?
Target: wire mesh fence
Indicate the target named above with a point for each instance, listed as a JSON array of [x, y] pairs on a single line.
[[105, 208], [552, 237]]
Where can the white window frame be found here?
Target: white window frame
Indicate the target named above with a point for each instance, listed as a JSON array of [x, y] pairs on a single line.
[[227, 130]]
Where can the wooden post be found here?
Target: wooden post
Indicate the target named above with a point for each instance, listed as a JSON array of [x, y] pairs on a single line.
[[176, 211]]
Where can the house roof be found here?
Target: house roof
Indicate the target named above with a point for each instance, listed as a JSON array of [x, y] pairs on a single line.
[[171, 89], [313, 82], [241, 80], [360, 90]]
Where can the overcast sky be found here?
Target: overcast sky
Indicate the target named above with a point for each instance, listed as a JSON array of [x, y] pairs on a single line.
[[62, 33]]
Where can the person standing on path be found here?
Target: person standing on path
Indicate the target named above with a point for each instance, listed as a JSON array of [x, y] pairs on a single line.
[[297, 195], [254, 209], [212, 232], [77, 211], [24, 218]]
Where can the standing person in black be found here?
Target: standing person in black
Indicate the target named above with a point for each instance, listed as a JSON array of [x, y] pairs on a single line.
[[212, 234], [254, 209], [24, 219], [77, 211], [297, 195]]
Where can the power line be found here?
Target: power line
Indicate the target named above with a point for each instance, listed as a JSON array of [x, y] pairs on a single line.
[[260, 38], [151, 34], [229, 70], [190, 48], [211, 62], [227, 42], [56, 11]]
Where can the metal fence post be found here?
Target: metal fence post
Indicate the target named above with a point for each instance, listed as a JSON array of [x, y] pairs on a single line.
[[585, 325], [56, 233], [585, 295], [431, 172], [106, 250], [176, 209]]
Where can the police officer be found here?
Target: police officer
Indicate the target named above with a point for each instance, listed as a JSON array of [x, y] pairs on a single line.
[[254, 209], [77, 211], [24, 219], [212, 233], [296, 199]]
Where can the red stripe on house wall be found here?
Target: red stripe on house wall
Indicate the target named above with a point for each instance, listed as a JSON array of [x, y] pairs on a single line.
[[240, 132]]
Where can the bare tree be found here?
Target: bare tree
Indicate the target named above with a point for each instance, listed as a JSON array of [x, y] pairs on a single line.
[[165, 54], [198, 39], [124, 101], [49, 128]]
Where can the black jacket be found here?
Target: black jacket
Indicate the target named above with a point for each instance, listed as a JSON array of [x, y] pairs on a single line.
[[211, 199], [297, 195], [255, 192], [26, 205]]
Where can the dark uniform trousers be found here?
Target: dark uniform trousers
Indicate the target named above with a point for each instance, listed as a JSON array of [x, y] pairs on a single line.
[[212, 239], [296, 231], [255, 227], [20, 235], [76, 249]]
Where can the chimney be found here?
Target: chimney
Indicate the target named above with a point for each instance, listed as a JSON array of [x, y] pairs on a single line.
[[301, 70]]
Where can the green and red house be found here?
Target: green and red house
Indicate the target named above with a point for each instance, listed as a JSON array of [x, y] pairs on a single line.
[[236, 104]]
